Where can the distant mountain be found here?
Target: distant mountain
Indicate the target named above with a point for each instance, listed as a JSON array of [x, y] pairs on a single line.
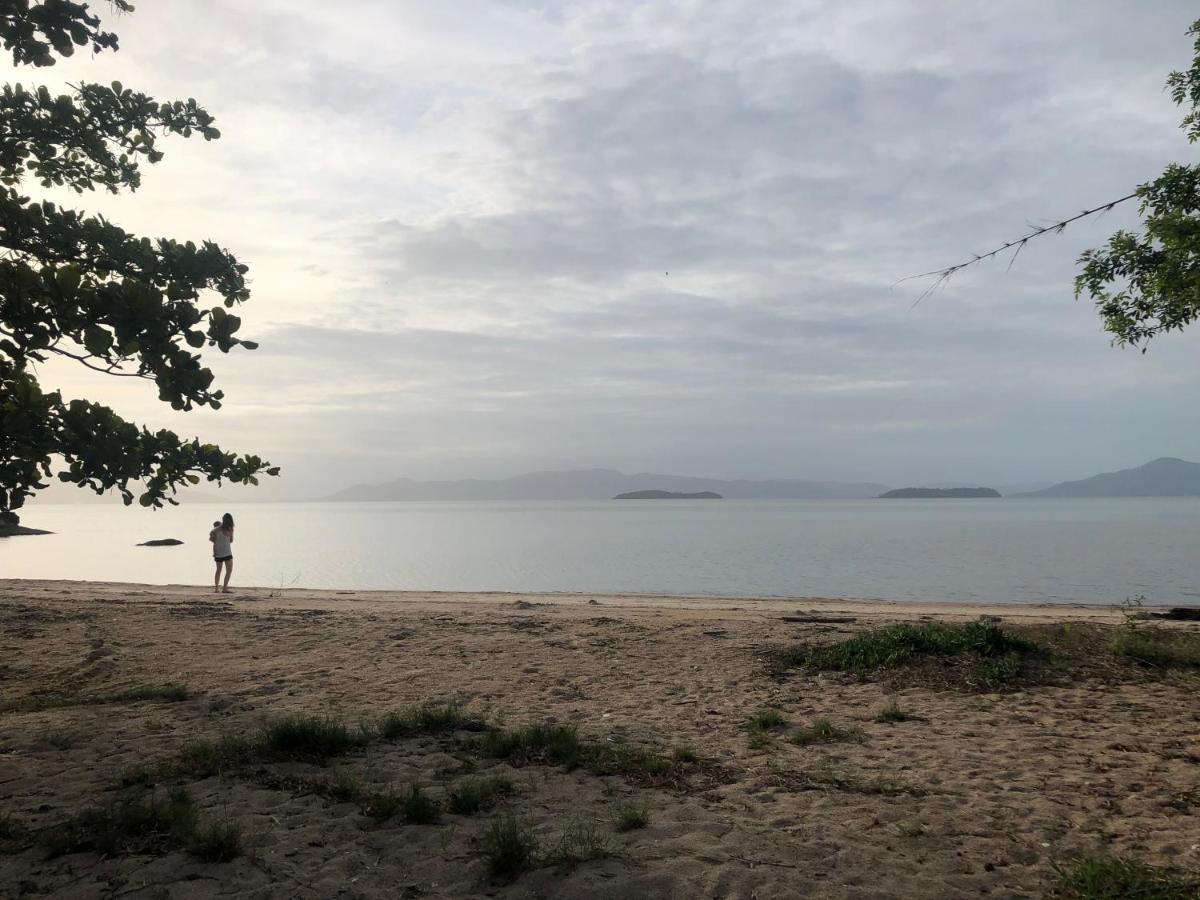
[[1166, 477], [602, 484], [939, 493], [667, 495]]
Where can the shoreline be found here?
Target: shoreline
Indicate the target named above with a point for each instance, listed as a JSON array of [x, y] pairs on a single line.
[[303, 596]]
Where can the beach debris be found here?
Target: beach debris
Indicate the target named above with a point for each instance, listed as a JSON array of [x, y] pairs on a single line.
[[1180, 614], [716, 632], [824, 620], [162, 542]]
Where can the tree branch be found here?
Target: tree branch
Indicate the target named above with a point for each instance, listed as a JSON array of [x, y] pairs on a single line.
[[941, 276]]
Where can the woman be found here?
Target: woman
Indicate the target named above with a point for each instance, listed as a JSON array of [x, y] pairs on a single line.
[[222, 541]]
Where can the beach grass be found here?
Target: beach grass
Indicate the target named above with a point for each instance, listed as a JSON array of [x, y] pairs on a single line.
[[1163, 648], [311, 737], [474, 795], [999, 655], [823, 731], [893, 713], [510, 846], [146, 824], [166, 693], [630, 816], [557, 744], [1098, 877]]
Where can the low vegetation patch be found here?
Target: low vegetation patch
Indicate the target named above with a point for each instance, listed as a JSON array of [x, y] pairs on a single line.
[[473, 795], [631, 816], [167, 693], [150, 824], [823, 731], [510, 846], [994, 656], [893, 713], [767, 720], [1161, 648], [310, 737], [685, 753], [1114, 878], [429, 718], [561, 745]]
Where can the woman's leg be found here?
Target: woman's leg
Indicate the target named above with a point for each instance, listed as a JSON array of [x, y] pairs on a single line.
[[228, 572], [217, 577]]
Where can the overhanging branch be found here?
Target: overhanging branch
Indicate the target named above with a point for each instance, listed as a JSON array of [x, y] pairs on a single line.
[[941, 276]]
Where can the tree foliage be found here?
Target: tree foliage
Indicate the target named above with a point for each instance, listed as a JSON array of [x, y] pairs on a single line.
[[77, 286], [1147, 283]]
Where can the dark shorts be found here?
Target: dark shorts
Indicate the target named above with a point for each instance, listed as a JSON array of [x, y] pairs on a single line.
[[223, 559]]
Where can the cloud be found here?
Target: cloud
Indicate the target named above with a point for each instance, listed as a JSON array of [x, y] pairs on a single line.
[[491, 237]]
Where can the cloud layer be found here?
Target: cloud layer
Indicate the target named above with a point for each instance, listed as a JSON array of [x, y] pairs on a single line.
[[489, 237]]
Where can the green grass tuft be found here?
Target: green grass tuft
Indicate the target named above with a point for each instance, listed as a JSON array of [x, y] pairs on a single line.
[[474, 795], [346, 786], [1163, 648], [510, 846], [313, 737], [418, 808], [685, 754], [217, 842], [429, 718], [412, 805], [170, 693], [823, 731], [1113, 878], [580, 842], [148, 824], [766, 720], [560, 745], [538, 742], [631, 816], [893, 713], [898, 645]]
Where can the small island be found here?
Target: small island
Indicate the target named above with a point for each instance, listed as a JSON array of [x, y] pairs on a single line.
[[667, 495], [938, 493]]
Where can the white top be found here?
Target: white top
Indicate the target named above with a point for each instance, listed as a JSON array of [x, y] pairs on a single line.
[[222, 542]]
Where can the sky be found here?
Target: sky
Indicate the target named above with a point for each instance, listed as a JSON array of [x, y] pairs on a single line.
[[488, 238]]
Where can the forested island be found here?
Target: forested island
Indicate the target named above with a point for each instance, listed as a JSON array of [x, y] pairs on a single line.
[[667, 495], [938, 493]]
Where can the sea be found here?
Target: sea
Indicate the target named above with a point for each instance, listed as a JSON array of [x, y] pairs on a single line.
[[970, 551]]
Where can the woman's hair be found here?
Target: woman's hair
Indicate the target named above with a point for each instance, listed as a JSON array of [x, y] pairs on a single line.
[[227, 521]]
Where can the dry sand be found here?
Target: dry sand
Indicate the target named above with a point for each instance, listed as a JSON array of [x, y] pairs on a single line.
[[1006, 784]]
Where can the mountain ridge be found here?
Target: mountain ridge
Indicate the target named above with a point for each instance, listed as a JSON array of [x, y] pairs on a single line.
[[1167, 476], [602, 484]]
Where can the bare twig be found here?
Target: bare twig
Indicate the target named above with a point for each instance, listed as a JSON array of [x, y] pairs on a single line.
[[941, 276]]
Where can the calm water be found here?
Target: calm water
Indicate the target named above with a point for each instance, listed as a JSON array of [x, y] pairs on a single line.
[[965, 550]]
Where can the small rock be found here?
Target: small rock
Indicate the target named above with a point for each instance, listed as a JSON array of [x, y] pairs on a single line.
[[162, 542]]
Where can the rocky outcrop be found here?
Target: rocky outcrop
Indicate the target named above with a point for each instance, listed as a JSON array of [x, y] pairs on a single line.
[[162, 542]]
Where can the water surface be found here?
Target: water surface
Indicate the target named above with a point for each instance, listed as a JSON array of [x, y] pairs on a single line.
[[1090, 551]]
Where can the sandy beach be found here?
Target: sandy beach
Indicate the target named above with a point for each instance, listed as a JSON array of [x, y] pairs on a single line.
[[980, 794]]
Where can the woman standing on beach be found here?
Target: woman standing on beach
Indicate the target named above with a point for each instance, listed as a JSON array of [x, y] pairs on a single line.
[[222, 541]]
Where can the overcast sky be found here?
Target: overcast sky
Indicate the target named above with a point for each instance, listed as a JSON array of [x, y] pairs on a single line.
[[495, 237]]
